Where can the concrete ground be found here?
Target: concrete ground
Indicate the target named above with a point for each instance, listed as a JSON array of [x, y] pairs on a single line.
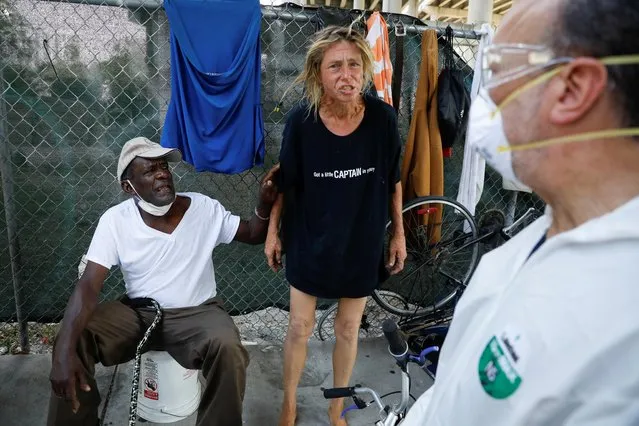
[[24, 392]]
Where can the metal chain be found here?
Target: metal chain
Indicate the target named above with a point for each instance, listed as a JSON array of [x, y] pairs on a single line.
[[133, 408]]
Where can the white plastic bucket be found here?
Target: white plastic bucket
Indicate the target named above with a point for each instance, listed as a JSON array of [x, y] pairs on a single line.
[[168, 392]]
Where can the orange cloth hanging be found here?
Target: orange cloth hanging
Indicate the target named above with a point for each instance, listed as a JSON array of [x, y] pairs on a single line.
[[377, 37]]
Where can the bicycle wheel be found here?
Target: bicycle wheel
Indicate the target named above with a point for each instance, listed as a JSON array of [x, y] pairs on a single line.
[[372, 319], [442, 254]]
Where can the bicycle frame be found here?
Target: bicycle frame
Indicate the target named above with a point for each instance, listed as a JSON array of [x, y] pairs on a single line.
[[504, 232]]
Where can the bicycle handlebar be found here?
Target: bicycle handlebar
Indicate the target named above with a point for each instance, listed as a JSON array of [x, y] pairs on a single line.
[[421, 359], [396, 343], [339, 392]]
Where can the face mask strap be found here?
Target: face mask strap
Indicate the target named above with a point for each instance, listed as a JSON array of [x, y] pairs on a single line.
[[601, 134], [620, 60], [609, 60], [511, 97], [134, 190]]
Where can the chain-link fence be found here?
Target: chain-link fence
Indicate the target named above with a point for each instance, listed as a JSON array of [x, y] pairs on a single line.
[[81, 77]]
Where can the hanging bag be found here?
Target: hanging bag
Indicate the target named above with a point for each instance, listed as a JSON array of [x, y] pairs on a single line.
[[452, 96]]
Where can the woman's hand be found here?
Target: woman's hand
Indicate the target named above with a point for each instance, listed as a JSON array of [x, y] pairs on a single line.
[[273, 251], [396, 253]]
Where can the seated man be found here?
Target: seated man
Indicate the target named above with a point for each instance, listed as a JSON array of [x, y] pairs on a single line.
[[163, 244]]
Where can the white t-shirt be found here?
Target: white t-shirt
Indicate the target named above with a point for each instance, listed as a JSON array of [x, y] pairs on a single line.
[[552, 340], [174, 269]]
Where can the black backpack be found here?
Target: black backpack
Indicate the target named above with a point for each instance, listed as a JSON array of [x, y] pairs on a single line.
[[453, 97]]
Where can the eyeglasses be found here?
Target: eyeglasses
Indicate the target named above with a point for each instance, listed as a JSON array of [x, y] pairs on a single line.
[[502, 63]]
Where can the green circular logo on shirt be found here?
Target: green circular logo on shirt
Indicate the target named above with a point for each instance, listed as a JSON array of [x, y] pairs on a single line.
[[498, 366]]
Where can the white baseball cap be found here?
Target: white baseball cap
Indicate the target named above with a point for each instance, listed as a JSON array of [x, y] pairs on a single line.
[[142, 147]]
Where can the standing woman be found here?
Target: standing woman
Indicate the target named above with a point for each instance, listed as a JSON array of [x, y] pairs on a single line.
[[340, 184]]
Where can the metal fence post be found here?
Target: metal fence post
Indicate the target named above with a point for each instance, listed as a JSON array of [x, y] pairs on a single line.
[[158, 60], [11, 217]]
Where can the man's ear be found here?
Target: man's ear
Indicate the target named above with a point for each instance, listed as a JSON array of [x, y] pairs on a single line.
[[583, 84], [126, 187]]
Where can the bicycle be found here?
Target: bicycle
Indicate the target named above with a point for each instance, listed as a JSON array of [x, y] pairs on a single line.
[[389, 415], [394, 296], [429, 329], [443, 244]]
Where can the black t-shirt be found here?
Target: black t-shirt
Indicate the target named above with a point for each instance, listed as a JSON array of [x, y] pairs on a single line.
[[338, 191]]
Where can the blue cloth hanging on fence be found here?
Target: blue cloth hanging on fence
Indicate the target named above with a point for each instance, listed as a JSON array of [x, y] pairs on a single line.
[[215, 115]]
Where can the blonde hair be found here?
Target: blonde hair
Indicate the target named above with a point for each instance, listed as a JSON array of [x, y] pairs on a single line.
[[311, 74]]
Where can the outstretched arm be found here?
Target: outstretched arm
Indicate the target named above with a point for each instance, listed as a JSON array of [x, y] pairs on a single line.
[[254, 231]]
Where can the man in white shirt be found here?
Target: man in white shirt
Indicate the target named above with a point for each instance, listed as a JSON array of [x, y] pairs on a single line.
[[547, 332], [163, 244]]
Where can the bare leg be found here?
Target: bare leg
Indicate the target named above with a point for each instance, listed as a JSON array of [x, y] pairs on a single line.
[[300, 326], [347, 323]]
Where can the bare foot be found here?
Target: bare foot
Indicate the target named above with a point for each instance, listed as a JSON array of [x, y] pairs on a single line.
[[338, 422], [334, 415], [288, 415]]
